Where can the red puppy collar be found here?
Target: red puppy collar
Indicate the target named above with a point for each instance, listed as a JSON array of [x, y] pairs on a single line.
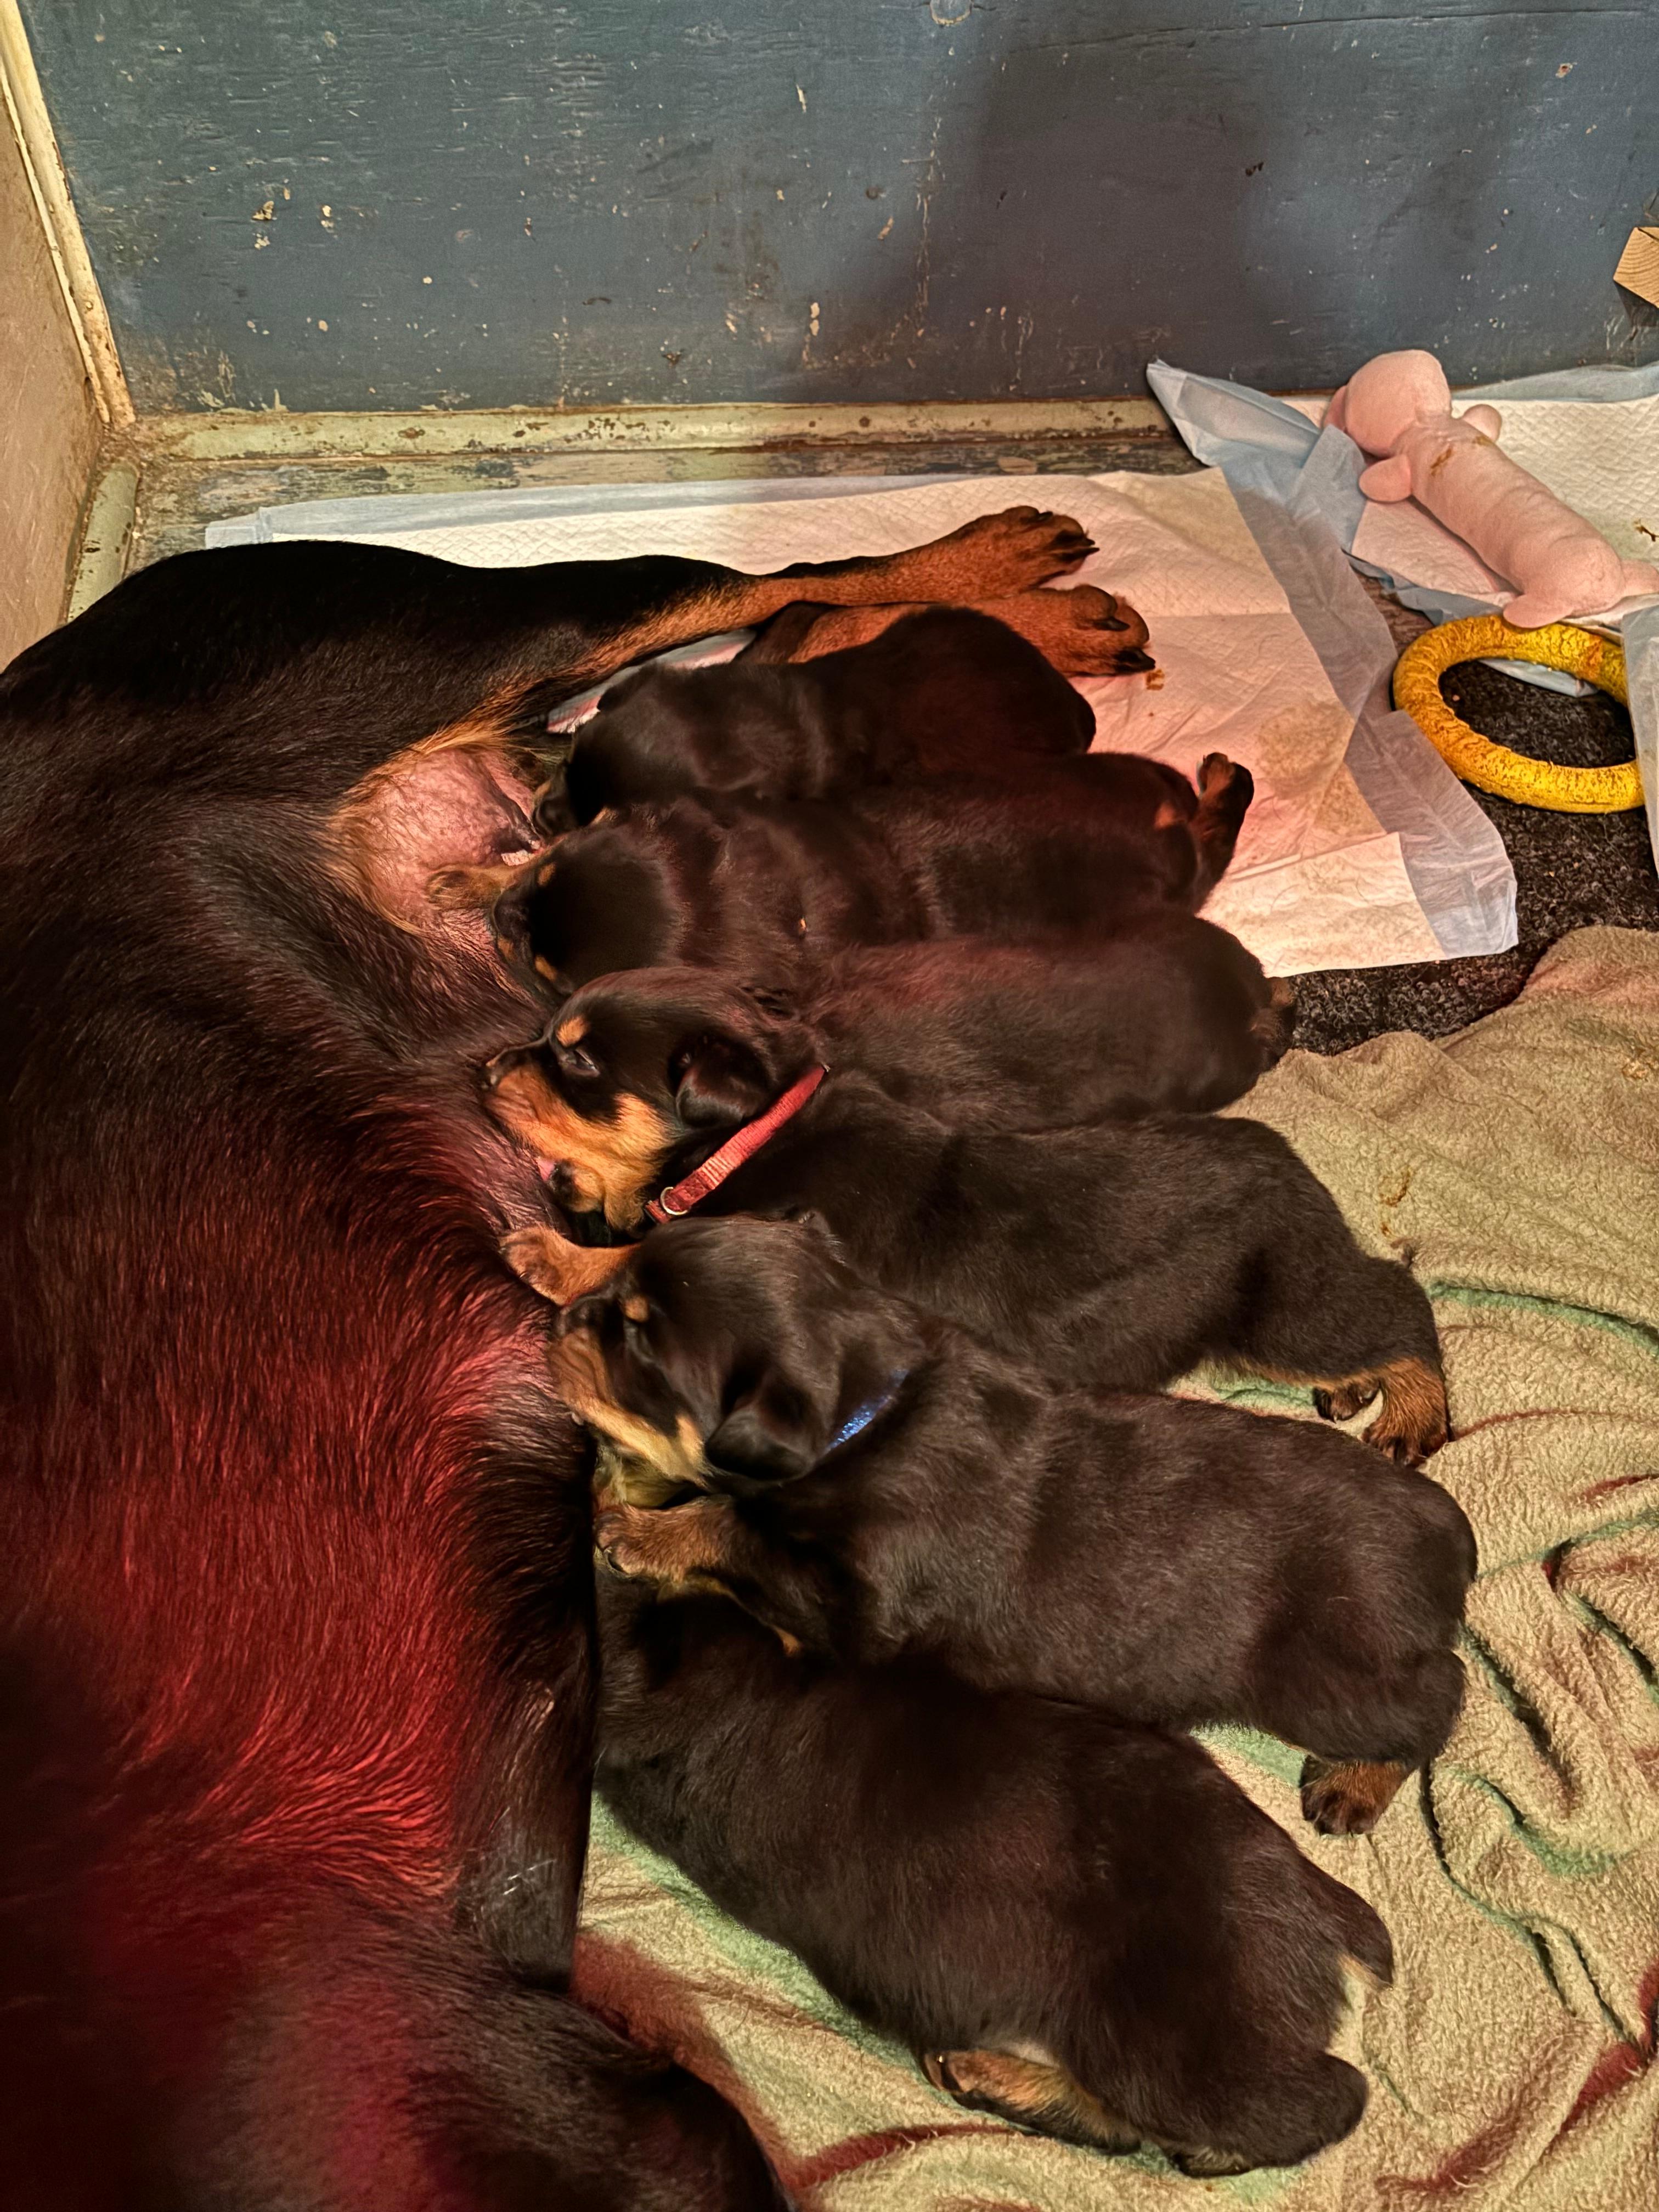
[[742, 1145]]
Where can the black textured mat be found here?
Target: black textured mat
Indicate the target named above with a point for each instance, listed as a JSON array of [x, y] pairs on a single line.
[[1570, 869]]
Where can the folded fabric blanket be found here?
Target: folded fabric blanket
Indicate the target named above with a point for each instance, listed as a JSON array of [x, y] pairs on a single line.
[[1516, 1168]]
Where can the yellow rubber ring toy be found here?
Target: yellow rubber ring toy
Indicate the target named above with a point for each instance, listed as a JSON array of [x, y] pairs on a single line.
[[1598, 660]]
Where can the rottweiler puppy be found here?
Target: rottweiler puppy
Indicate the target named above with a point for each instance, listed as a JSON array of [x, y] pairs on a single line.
[[1076, 845], [1113, 1255], [1083, 1927], [945, 691], [874, 1484], [1173, 1015]]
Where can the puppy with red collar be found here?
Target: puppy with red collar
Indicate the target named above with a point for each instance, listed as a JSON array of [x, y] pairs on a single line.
[[874, 1485], [1172, 1015], [1111, 1256]]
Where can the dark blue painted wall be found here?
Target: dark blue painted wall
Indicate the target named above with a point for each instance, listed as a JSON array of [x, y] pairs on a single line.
[[475, 203]]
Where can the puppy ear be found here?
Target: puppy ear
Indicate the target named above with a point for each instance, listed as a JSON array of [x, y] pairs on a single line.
[[614, 695], [719, 1083], [808, 1218], [774, 1000], [770, 1436]]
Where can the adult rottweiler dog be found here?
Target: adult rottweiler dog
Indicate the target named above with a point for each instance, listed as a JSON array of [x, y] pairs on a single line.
[[874, 1484], [295, 1635], [1079, 845], [1172, 1015], [946, 691], [1111, 1256], [1083, 1927]]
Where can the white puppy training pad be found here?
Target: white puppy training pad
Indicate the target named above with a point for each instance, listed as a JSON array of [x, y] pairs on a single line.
[[1318, 881], [1591, 435]]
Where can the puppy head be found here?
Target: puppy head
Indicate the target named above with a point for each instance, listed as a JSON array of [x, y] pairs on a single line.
[[598, 899], [731, 1351], [626, 753], [637, 1068]]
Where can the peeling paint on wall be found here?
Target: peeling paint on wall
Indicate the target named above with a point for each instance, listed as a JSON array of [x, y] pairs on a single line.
[[48, 422], [589, 202]]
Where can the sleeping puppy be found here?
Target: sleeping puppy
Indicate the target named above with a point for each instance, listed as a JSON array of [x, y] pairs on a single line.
[[1084, 1928], [1074, 845], [1172, 1015], [876, 1485], [946, 691], [1115, 1255]]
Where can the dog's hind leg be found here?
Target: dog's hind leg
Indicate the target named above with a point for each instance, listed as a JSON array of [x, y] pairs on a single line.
[[1319, 1311]]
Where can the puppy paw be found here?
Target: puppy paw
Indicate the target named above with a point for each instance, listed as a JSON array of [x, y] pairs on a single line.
[[1223, 782], [1409, 1433], [1348, 1797], [1413, 1422], [558, 1270], [621, 1537], [1273, 1024], [1209, 2165], [1030, 2093], [461, 890], [1342, 1400], [672, 1546]]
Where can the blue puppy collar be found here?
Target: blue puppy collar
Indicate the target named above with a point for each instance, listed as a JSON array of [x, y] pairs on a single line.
[[861, 1416]]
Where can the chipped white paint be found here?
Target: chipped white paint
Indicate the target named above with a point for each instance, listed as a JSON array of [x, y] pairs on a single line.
[[111, 514], [234, 434]]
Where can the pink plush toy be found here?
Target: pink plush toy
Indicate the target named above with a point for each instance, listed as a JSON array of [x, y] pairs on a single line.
[[1400, 405]]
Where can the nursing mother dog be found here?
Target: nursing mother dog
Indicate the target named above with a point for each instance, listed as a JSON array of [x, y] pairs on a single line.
[[296, 1645]]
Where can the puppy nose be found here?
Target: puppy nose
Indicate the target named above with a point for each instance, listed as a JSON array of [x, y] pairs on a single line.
[[551, 814], [503, 1064]]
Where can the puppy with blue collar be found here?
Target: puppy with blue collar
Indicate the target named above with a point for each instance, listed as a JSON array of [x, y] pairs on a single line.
[[875, 1485]]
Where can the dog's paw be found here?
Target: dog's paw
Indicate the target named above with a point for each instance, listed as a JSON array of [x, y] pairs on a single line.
[[1084, 631], [1340, 1402], [1412, 1422], [1020, 547], [622, 1536], [1273, 1025], [672, 1546], [558, 1270], [1348, 1797], [457, 891], [1033, 2094], [1224, 784]]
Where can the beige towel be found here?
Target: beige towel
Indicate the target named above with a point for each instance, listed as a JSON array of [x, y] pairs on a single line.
[[1516, 1166]]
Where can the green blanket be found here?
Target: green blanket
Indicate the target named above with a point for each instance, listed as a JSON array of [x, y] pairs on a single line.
[[1516, 1168]]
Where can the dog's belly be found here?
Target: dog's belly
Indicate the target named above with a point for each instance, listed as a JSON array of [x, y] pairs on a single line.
[[462, 807]]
